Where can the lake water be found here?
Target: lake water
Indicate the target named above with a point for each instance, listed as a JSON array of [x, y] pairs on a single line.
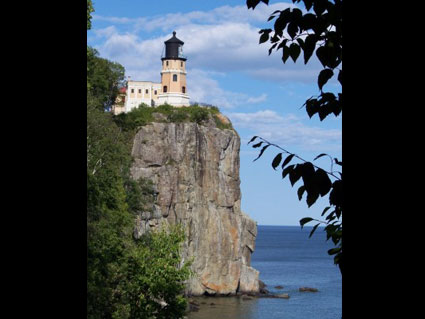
[[285, 256]]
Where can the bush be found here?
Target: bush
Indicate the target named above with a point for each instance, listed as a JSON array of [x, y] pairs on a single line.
[[198, 114], [137, 117], [177, 116], [165, 109], [153, 276]]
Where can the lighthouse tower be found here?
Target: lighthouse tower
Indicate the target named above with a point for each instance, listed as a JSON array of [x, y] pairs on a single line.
[[173, 74]]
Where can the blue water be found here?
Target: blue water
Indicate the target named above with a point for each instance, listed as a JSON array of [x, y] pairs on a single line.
[[285, 256]]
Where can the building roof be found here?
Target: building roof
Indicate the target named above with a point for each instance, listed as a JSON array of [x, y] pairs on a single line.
[[174, 39]]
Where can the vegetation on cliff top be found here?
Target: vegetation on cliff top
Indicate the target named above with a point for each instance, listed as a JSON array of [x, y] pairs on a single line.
[[144, 114]]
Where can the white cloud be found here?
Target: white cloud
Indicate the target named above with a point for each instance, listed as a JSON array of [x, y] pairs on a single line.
[[258, 99], [220, 15], [203, 88], [286, 131], [223, 39], [217, 42]]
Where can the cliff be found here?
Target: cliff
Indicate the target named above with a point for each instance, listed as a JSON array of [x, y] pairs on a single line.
[[195, 169]]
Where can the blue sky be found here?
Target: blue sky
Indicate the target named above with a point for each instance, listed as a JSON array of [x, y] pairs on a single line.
[[228, 68]]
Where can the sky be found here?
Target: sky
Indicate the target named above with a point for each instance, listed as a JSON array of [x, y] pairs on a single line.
[[227, 67]]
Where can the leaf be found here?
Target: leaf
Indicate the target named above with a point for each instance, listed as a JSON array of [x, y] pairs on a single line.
[[271, 17], [333, 251], [301, 43], [324, 77], [300, 192], [325, 210], [276, 160], [285, 54], [307, 172], [296, 15], [309, 46], [337, 162], [305, 220], [312, 196], [272, 47], [261, 152], [287, 160], [295, 174], [322, 56], [340, 76], [252, 139], [311, 106], [294, 51], [253, 3], [318, 156], [264, 37], [292, 29], [257, 145], [314, 228], [308, 4], [319, 7], [324, 184], [287, 170], [308, 21], [335, 197], [265, 34]]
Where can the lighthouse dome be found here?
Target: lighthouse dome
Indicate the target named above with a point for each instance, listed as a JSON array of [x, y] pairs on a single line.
[[174, 48]]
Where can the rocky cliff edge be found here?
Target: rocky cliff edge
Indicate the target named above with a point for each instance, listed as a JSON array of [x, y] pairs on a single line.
[[195, 169]]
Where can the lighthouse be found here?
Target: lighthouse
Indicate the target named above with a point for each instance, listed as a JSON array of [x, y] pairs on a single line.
[[173, 74]]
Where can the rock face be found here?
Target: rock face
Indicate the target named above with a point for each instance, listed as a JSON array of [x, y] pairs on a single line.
[[195, 170]]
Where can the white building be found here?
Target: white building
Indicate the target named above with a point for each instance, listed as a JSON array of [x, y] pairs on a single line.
[[172, 89]]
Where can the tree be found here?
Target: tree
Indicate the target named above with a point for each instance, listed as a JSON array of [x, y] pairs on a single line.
[[318, 31], [104, 78], [127, 278], [90, 9]]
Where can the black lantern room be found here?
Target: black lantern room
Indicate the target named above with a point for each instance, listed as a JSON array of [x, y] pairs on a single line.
[[174, 49]]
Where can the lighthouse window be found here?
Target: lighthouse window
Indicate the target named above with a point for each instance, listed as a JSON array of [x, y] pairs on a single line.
[[147, 91], [181, 64], [175, 77], [183, 89], [166, 63], [165, 88]]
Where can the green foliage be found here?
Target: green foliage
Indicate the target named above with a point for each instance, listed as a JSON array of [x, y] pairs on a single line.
[[140, 195], [319, 31], [145, 114], [178, 116], [139, 116], [104, 77], [126, 278], [90, 9], [198, 114], [153, 274]]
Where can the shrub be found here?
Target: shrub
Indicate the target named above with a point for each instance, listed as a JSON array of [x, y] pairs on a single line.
[[177, 116], [198, 114]]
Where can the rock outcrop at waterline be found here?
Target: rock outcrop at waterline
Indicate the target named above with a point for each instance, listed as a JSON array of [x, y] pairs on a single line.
[[195, 170]]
